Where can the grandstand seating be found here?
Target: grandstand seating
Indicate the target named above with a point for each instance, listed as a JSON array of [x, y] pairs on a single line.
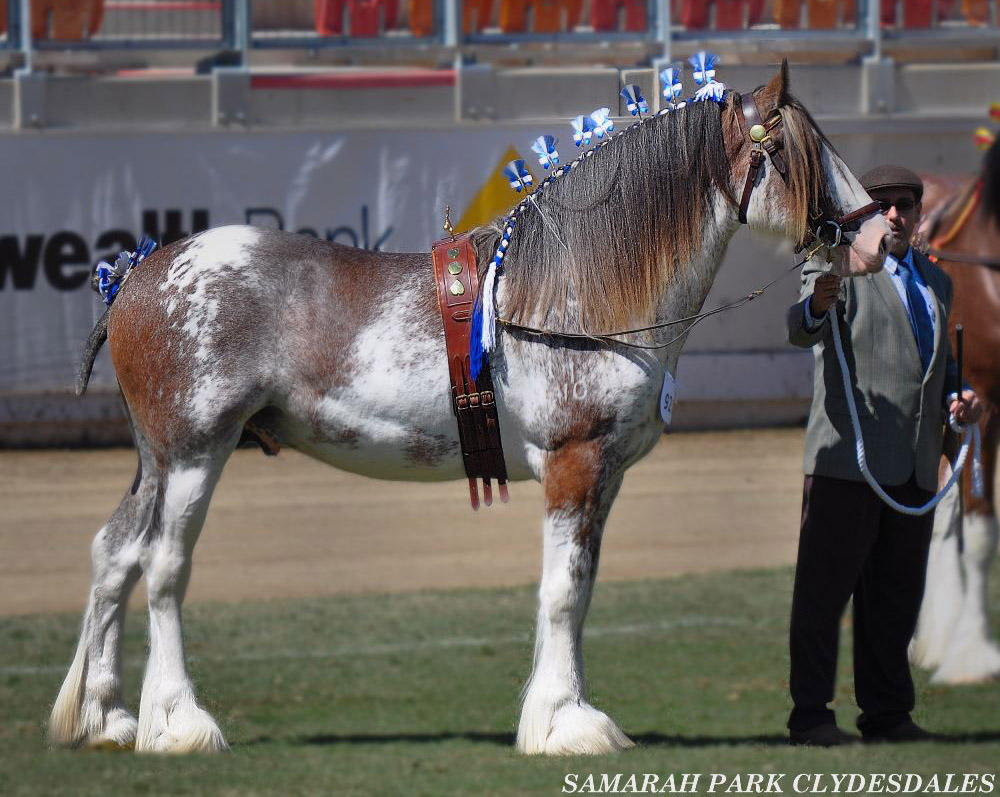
[[64, 20], [74, 20], [604, 15], [365, 18], [729, 14], [547, 16], [822, 14]]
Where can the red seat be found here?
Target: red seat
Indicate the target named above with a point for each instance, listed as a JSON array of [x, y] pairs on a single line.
[[823, 14], [65, 20], [694, 14], [729, 14], [977, 12], [365, 17], [475, 16], [916, 13], [556, 16], [604, 15], [513, 16]]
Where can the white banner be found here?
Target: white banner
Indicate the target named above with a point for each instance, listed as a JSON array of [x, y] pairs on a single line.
[[74, 200]]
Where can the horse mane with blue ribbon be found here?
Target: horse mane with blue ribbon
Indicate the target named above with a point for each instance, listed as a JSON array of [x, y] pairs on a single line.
[[585, 127]]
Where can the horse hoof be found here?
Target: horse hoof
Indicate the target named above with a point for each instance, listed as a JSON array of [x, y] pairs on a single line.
[[577, 729], [180, 728], [109, 746], [971, 666]]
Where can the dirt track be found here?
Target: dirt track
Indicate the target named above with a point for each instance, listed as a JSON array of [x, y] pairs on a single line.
[[288, 526]]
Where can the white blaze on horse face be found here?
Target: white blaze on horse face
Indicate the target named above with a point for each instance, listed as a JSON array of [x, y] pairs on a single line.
[[866, 254]]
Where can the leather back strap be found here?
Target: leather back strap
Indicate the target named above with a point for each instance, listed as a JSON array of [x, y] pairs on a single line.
[[474, 403]]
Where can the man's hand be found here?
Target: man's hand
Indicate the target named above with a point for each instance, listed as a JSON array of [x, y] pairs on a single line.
[[968, 409], [826, 289]]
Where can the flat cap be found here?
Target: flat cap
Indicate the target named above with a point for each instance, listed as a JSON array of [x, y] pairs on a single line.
[[893, 177]]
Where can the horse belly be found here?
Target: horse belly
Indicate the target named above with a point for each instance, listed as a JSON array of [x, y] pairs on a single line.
[[387, 441]]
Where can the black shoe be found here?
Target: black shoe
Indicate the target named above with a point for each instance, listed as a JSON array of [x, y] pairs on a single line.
[[906, 731], [828, 735]]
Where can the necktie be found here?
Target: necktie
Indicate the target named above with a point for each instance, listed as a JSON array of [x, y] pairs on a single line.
[[920, 319]]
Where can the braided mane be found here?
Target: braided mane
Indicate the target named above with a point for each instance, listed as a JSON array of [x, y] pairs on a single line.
[[601, 236]]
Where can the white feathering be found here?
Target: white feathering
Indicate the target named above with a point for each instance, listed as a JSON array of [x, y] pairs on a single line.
[[489, 309]]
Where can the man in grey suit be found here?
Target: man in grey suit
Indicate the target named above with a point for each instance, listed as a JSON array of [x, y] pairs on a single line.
[[894, 326]]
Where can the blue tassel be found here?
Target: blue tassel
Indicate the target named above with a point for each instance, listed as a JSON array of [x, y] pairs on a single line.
[[634, 101], [545, 148], [703, 63], [583, 130], [670, 78], [602, 121], [109, 278], [518, 175]]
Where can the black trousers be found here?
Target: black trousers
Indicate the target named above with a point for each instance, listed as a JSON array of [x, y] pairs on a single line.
[[851, 543]]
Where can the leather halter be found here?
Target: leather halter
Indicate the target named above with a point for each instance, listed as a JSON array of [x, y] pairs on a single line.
[[767, 140]]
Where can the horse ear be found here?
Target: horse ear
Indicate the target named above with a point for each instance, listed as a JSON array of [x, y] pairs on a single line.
[[775, 93]]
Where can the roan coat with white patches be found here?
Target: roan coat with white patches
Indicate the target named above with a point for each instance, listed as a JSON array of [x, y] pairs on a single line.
[[339, 353]]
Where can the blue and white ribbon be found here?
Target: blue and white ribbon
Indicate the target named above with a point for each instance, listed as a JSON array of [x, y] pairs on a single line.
[[518, 175], [635, 103], [670, 79], [583, 130], [703, 70], [545, 148], [602, 122], [109, 277], [483, 340]]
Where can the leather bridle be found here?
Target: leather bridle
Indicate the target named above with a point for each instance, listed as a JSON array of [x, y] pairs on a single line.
[[767, 141]]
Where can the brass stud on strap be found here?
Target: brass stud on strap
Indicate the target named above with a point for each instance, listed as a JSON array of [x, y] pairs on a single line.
[[758, 133], [453, 253], [457, 288], [454, 267]]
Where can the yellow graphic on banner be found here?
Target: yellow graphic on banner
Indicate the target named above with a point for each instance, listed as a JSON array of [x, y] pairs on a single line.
[[493, 198]]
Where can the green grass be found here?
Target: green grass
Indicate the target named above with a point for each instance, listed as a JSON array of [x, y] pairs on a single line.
[[417, 694]]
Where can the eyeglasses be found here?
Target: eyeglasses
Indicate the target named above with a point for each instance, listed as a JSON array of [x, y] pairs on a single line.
[[902, 205]]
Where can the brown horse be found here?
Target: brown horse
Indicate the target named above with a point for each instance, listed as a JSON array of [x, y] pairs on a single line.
[[962, 227], [340, 353]]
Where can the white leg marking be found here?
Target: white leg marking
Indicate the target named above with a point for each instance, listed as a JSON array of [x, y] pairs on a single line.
[[555, 716], [943, 591], [170, 719], [972, 654], [90, 711]]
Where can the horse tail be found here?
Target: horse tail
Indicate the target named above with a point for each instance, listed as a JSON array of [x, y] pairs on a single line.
[[991, 182], [98, 335]]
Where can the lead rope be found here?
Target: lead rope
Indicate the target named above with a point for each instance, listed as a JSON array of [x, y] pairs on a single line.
[[971, 433]]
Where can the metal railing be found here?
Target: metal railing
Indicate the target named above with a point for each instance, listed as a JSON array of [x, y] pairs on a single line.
[[460, 26]]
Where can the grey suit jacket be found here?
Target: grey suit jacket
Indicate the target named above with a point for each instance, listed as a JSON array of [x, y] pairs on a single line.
[[901, 410]]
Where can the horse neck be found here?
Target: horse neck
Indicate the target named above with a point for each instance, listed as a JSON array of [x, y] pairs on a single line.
[[686, 294]]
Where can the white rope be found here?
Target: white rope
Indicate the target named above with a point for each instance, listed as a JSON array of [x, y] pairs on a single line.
[[971, 433]]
